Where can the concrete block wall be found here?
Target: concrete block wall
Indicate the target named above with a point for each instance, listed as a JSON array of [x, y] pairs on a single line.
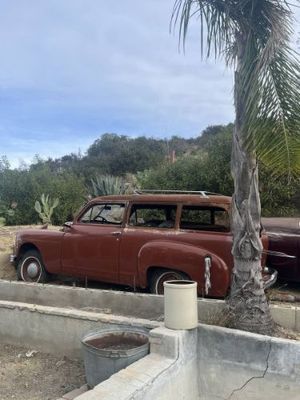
[[286, 315], [168, 372], [137, 305], [56, 330], [115, 302], [239, 365], [208, 363]]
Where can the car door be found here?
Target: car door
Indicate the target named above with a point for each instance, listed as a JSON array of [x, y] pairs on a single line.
[[91, 244], [147, 222]]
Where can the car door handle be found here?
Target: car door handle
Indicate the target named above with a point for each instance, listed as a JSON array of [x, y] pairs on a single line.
[[116, 233]]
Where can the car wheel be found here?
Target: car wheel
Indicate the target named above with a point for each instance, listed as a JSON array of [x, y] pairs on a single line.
[[160, 276], [31, 268]]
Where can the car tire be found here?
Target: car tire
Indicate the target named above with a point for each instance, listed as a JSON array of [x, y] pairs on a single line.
[[158, 278], [31, 268]]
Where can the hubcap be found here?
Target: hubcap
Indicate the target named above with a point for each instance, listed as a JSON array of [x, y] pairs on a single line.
[[168, 276], [33, 270]]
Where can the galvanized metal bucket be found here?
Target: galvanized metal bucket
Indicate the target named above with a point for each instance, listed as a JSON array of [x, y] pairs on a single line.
[[106, 352]]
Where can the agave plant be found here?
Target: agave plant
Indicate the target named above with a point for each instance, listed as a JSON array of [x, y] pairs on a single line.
[[45, 208], [103, 185]]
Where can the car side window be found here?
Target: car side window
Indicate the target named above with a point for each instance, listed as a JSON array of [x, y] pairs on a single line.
[[204, 219], [153, 215], [104, 214]]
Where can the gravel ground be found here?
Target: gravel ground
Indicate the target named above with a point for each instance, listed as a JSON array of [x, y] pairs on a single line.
[[29, 375]]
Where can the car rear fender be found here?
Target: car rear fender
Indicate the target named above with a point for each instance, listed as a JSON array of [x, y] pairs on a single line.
[[185, 258]]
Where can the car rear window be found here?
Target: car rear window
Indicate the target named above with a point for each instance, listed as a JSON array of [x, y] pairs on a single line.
[[204, 219], [153, 215]]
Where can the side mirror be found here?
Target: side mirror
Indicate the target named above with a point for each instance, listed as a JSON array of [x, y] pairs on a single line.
[[68, 224]]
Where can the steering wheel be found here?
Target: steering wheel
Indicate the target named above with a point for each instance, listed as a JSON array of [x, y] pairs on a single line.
[[100, 219]]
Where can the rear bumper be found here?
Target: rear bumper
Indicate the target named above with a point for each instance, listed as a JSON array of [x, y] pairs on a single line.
[[269, 277]]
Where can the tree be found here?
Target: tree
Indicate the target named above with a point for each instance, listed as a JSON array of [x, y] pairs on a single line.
[[253, 36], [117, 154], [207, 167], [24, 187]]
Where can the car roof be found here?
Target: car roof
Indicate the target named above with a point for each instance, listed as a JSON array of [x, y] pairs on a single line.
[[172, 198]]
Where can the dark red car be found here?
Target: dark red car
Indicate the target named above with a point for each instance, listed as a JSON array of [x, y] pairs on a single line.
[[137, 240], [284, 247]]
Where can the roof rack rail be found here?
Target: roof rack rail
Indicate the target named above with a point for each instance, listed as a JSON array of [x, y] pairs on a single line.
[[203, 193]]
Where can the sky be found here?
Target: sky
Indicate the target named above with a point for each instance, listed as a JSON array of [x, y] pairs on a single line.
[[72, 70]]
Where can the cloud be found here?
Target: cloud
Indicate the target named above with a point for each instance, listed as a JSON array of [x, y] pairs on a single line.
[[73, 69]]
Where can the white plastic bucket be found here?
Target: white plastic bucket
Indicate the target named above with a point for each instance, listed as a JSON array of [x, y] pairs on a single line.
[[180, 300]]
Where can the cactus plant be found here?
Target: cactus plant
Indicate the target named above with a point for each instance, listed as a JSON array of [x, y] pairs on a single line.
[[45, 208]]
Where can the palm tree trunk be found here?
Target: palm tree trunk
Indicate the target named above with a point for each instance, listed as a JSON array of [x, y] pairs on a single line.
[[247, 301]]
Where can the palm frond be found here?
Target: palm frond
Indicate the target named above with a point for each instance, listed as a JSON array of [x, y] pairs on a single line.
[[271, 89], [216, 22], [277, 119], [268, 69]]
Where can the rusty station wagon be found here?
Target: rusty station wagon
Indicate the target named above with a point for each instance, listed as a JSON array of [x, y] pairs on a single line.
[[138, 240]]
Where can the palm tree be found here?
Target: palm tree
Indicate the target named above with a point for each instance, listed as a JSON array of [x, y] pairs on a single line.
[[253, 37]]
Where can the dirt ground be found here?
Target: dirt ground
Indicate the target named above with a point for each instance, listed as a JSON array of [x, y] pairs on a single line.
[[7, 237], [29, 375]]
